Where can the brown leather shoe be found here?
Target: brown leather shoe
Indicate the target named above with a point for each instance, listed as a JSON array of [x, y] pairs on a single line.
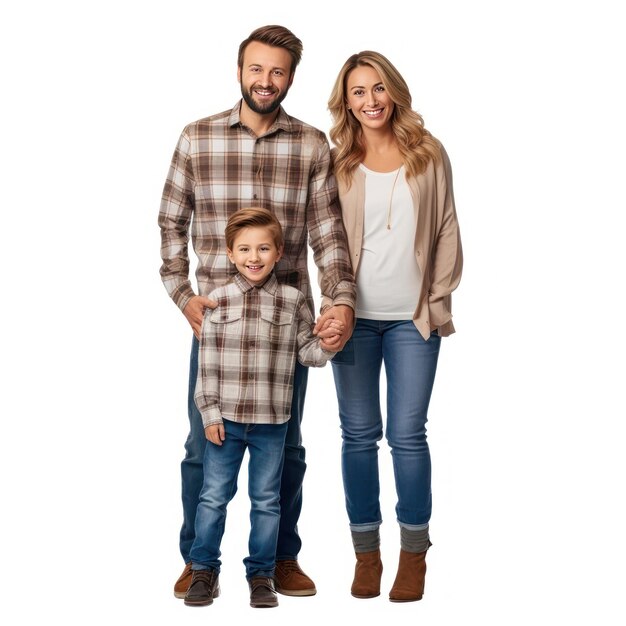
[[367, 574], [204, 587], [262, 592], [292, 581], [409, 583], [183, 582]]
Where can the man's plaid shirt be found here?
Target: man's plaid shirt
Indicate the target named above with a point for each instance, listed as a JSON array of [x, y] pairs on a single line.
[[248, 350], [220, 166]]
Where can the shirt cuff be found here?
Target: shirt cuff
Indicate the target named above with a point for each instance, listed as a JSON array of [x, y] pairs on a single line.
[[211, 415], [182, 297], [346, 299]]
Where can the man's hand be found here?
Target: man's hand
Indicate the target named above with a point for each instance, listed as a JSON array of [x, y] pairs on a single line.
[[194, 312], [215, 433], [330, 340]]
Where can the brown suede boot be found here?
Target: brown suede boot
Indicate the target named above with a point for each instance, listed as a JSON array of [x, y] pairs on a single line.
[[367, 574], [409, 583]]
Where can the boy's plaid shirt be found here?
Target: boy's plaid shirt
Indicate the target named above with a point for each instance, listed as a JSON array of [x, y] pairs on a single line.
[[248, 350]]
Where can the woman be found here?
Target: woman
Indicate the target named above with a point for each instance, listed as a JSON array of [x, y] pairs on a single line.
[[396, 196]]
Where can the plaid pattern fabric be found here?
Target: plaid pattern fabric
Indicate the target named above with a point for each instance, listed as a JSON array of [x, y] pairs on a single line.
[[220, 166], [248, 350]]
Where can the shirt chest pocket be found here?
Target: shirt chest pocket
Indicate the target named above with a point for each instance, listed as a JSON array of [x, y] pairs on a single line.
[[226, 322], [276, 326]]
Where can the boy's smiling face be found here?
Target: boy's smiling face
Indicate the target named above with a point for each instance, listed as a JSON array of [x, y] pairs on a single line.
[[254, 253]]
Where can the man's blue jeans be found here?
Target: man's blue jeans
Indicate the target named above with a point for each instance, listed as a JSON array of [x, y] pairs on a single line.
[[294, 467], [410, 365], [265, 444]]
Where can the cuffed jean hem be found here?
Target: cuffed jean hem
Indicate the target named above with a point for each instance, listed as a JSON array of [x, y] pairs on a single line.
[[413, 526], [264, 573], [197, 567], [363, 528]]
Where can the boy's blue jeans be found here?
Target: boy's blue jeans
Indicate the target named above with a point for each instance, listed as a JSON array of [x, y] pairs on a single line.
[[294, 467], [265, 444]]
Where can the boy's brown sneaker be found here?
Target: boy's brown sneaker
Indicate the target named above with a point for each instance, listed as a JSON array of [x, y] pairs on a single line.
[[292, 581], [204, 587], [183, 582]]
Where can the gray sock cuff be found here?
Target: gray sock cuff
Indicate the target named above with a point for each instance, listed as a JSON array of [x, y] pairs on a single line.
[[367, 541], [414, 540]]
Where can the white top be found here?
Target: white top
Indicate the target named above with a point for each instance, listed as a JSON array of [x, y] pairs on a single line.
[[388, 279]]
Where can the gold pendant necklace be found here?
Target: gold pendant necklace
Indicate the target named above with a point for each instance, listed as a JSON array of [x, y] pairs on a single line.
[[395, 180]]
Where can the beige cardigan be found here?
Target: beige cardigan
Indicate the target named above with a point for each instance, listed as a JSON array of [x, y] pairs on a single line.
[[437, 241]]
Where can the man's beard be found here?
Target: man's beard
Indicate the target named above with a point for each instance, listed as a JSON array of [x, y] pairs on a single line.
[[262, 109]]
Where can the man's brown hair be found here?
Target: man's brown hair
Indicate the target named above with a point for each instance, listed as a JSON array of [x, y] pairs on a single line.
[[277, 36]]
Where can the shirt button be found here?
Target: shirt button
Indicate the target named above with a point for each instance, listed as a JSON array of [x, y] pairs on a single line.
[[254, 197]]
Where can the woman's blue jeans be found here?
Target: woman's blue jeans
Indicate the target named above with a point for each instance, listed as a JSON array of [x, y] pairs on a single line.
[[265, 444], [410, 365]]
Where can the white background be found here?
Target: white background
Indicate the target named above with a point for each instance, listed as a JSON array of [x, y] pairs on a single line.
[[526, 417]]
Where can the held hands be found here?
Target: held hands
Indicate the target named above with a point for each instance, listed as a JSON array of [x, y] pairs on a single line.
[[215, 433], [330, 334], [334, 327], [194, 312]]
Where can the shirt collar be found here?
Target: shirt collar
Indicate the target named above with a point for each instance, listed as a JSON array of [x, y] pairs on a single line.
[[282, 121], [270, 285]]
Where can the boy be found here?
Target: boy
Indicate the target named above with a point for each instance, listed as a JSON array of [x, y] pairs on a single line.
[[248, 350]]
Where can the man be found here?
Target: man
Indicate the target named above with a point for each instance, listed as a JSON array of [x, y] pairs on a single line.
[[257, 155]]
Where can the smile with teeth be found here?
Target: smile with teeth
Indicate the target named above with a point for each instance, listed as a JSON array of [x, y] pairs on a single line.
[[264, 93], [255, 268], [374, 113]]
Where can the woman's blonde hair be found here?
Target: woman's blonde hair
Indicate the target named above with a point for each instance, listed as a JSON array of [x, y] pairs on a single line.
[[417, 146]]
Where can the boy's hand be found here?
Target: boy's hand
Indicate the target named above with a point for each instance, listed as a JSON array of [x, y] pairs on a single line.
[[194, 312], [215, 433]]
